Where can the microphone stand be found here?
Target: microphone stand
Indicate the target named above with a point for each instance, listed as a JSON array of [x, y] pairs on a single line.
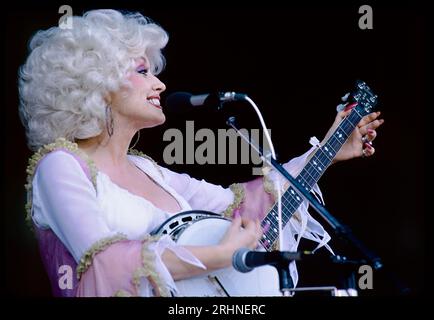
[[342, 231], [285, 280]]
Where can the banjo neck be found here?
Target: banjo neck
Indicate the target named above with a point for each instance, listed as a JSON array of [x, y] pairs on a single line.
[[316, 166]]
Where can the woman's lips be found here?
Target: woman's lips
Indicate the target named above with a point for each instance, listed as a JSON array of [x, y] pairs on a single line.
[[155, 102]]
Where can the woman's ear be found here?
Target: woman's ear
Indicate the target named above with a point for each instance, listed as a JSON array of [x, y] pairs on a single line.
[[108, 99]]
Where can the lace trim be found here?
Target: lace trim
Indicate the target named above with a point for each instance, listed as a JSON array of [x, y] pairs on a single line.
[[60, 143], [122, 294], [148, 270], [269, 187], [135, 152], [87, 258], [239, 195]]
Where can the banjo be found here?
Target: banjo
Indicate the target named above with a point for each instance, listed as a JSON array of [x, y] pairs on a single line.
[[198, 227]]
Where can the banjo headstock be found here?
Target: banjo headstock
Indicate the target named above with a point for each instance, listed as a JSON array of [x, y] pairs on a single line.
[[365, 98]]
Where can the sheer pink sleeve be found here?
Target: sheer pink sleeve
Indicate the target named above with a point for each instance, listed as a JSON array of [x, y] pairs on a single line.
[[133, 268], [107, 263]]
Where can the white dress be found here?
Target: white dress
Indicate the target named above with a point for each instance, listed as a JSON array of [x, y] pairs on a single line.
[[66, 201]]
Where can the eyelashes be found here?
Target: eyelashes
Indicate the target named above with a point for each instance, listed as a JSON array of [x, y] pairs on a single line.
[[143, 71]]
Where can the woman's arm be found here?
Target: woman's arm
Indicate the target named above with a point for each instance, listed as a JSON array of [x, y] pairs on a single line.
[[242, 233]]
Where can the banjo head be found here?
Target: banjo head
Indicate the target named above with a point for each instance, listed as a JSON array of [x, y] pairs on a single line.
[[176, 225], [206, 231], [204, 228]]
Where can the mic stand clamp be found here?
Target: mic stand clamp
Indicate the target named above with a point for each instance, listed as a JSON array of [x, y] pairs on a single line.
[[281, 260], [285, 279]]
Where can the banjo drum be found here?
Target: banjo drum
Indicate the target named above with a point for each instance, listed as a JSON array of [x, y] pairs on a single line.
[[198, 227]]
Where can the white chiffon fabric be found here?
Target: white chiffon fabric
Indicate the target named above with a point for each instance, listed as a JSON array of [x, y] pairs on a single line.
[[308, 227], [65, 201], [158, 247]]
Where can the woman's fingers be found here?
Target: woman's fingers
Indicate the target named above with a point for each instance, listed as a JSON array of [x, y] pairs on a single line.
[[369, 118], [370, 128], [371, 135], [236, 222], [342, 114], [247, 223], [251, 226], [252, 230], [368, 150], [370, 121]]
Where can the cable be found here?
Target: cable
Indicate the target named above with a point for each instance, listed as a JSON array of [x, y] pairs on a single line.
[[273, 154]]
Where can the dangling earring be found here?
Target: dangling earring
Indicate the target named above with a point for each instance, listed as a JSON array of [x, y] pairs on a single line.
[[109, 120], [137, 140]]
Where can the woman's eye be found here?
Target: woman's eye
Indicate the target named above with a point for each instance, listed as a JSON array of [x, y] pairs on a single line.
[[143, 71]]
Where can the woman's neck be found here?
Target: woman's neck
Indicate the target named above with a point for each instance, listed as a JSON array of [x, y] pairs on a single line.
[[108, 150]]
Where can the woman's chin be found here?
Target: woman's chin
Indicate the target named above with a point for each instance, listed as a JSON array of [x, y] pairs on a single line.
[[154, 122]]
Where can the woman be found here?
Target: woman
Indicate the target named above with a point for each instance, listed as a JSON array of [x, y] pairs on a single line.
[[85, 92]]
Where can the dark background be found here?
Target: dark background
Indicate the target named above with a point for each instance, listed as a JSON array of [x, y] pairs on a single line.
[[295, 62]]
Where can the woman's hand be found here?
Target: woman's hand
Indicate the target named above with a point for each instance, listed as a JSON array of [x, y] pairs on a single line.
[[243, 233], [359, 143]]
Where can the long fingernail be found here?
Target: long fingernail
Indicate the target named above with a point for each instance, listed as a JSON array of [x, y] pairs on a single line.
[[350, 106], [371, 130], [368, 145]]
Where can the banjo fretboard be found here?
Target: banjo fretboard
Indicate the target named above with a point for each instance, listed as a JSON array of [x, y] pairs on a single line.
[[317, 164]]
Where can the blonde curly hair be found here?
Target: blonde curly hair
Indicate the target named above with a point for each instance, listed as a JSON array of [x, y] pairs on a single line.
[[69, 72]]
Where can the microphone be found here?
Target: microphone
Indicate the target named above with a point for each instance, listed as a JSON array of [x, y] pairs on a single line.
[[245, 260], [179, 102]]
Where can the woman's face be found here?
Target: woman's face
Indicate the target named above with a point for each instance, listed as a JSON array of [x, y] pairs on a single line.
[[139, 105]]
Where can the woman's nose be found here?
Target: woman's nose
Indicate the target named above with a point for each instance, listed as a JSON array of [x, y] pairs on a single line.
[[159, 86]]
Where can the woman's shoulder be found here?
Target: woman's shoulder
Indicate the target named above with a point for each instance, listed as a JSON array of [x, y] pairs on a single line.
[[61, 153], [62, 157]]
